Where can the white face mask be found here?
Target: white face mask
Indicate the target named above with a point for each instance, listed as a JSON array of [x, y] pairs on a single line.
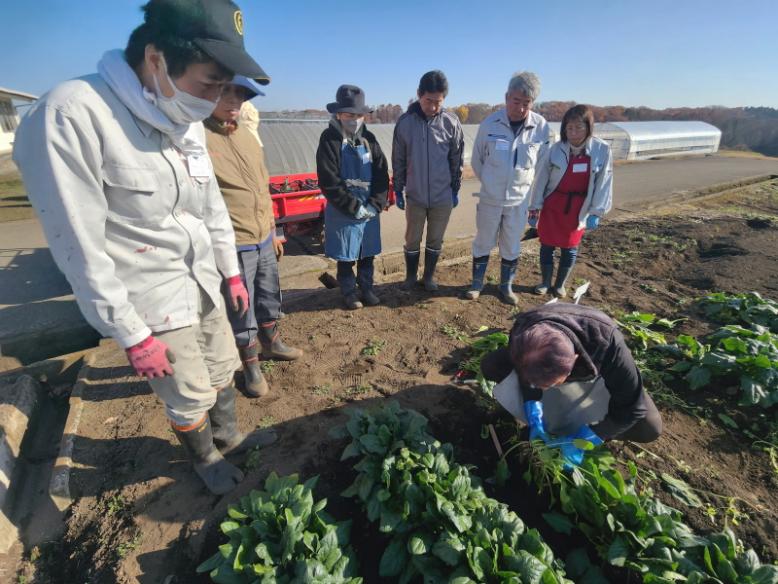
[[182, 107], [352, 126]]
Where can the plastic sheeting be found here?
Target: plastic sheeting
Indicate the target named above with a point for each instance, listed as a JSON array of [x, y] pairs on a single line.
[[290, 146]]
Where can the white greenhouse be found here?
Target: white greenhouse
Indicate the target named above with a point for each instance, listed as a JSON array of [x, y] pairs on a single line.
[[644, 140], [290, 146]]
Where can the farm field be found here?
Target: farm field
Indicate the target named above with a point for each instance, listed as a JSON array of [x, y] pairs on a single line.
[[141, 515]]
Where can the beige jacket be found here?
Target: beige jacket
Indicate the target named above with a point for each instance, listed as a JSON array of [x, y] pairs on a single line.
[[239, 165]]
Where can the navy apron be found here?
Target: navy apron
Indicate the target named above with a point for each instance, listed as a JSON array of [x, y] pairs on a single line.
[[347, 239]]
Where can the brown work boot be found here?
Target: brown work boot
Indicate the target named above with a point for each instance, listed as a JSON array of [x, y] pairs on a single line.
[[254, 383], [218, 475], [272, 345]]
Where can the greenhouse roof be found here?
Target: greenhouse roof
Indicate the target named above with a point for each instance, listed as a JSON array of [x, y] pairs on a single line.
[[669, 129]]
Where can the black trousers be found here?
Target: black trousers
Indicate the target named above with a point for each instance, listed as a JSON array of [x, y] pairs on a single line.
[[497, 365]]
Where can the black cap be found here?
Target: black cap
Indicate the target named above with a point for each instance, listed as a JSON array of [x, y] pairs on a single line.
[[222, 39], [349, 99]]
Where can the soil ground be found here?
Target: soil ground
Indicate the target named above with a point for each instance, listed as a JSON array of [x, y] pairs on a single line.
[[141, 515]]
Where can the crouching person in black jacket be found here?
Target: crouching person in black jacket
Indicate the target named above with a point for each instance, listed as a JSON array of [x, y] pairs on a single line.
[[354, 177], [568, 371]]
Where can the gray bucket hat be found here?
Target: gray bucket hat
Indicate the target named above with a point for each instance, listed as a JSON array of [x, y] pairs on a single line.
[[349, 99]]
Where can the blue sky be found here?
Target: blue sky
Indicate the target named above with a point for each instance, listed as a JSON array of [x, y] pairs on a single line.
[[658, 53]]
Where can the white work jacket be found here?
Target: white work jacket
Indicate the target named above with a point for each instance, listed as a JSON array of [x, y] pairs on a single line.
[[553, 165], [135, 235], [504, 162]]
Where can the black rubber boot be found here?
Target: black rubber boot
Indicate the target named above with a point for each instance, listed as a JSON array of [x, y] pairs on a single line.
[[218, 475], [430, 262], [348, 285], [411, 270], [561, 278], [226, 436], [479, 273], [507, 274], [272, 345], [546, 274], [365, 273], [254, 383]]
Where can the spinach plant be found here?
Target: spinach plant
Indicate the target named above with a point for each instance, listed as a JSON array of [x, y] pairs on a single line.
[[750, 356], [631, 529], [443, 527], [478, 350], [746, 309], [281, 535], [645, 329]]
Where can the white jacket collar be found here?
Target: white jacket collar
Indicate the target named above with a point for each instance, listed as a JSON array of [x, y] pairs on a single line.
[[531, 121], [124, 82], [587, 147]]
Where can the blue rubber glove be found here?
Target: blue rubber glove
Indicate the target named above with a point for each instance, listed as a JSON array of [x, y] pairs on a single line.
[[537, 427], [592, 221], [573, 455], [455, 198], [532, 218], [399, 200], [586, 433]]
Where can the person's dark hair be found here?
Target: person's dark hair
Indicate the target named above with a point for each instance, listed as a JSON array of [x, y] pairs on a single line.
[[541, 354], [169, 25], [578, 112], [433, 82]]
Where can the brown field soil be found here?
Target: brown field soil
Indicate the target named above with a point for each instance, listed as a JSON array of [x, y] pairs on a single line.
[[141, 515]]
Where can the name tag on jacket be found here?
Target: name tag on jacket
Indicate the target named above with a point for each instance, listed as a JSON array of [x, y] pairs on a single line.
[[580, 167], [199, 166]]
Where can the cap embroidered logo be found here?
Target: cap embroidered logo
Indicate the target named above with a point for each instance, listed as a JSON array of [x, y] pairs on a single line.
[[238, 16]]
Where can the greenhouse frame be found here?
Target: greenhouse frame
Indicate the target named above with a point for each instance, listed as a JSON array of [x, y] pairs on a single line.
[[290, 145]]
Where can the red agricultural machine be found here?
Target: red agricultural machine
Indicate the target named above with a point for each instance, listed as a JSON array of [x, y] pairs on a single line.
[[298, 204]]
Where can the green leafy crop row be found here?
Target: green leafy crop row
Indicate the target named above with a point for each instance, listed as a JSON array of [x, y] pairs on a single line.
[[744, 352], [747, 309], [443, 526], [748, 355], [282, 536], [629, 528]]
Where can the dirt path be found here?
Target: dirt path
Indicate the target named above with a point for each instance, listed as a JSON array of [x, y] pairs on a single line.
[[141, 515]]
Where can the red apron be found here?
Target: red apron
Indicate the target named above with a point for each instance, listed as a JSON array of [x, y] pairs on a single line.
[[558, 224]]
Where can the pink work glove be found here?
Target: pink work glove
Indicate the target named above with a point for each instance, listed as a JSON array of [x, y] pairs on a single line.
[[239, 296], [151, 358]]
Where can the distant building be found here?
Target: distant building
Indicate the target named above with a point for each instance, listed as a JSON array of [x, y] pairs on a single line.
[[9, 119]]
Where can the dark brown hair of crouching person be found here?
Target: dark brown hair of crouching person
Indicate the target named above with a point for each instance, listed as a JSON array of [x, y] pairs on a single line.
[[543, 357], [578, 112]]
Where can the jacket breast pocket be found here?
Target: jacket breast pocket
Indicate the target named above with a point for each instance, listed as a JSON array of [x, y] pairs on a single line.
[[195, 204], [526, 157], [498, 153], [134, 195]]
